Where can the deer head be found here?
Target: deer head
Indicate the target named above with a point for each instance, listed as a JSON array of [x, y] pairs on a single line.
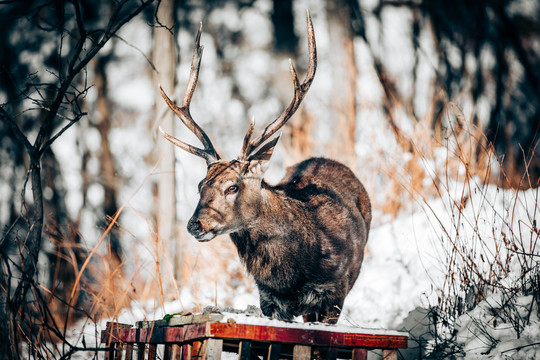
[[232, 191]]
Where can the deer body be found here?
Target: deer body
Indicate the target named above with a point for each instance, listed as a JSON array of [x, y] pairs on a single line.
[[306, 246], [302, 240]]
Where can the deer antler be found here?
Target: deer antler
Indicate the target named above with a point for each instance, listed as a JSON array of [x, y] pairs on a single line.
[[209, 153], [300, 91]]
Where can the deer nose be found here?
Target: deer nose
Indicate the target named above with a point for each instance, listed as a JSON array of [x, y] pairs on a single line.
[[194, 227]]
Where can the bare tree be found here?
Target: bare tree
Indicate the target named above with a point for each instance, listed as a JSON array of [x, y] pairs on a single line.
[[298, 133], [108, 167], [343, 96], [505, 91], [164, 59], [37, 112]]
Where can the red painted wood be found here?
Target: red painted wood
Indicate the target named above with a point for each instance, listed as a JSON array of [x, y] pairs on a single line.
[[187, 351], [305, 337], [200, 331], [359, 354], [112, 328]]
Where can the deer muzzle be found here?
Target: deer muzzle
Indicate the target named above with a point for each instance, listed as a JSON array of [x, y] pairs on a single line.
[[196, 228]]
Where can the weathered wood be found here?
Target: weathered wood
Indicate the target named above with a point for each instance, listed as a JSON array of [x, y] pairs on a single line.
[[129, 351], [359, 354], [304, 336], [244, 352], [109, 355], [175, 352], [112, 328], [201, 331], [141, 351], [187, 351], [167, 352], [212, 349], [186, 342], [152, 352], [389, 354], [301, 352], [119, 350], [274, 350], [329, 353], [179, 320], [196, 349]]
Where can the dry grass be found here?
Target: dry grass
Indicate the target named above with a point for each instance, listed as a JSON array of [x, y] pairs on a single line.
[[490, 238]]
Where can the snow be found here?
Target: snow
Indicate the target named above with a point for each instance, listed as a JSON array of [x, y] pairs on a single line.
[[482, 338], [253, 316]]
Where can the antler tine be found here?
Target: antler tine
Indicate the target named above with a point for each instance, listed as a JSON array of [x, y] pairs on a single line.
[[209, 153], [300, 91], [194, 71], [247, 138]]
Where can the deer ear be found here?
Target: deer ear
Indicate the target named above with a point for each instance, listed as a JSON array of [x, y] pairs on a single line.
[[259, 160], [265, 153]]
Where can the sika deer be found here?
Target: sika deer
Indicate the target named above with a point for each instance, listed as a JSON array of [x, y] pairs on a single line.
[[302, 240]]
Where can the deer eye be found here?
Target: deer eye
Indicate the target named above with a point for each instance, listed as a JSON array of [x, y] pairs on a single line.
[[233, 189]]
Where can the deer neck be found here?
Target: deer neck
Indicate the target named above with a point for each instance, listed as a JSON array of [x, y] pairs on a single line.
[[271, 215]]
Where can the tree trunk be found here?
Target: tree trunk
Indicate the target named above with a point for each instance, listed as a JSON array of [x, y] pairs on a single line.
[[297, 136], [342, 98], [106, 158], [164, 59]]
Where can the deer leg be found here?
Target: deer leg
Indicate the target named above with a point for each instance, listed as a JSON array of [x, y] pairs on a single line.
[[268, 307], [311, 317], [331, 314]]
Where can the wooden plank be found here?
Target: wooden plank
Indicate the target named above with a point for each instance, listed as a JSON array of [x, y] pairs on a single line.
[[301, 352], [152, 352], [244, 352], [187, 351], [359, 354], [196, 349], [212, 349], [173, 335], [176, 352], [254, 332], [180, 320], [274, 351], [330, 353], [118, 351], [109, 355], [167, 353], [305, 337], [154, 335], [389, 354], [141, 351], [150, 324], [195, 331], [129, 351], [111, 330]]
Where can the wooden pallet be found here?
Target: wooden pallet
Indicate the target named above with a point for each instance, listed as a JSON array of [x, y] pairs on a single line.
[[206, 338]]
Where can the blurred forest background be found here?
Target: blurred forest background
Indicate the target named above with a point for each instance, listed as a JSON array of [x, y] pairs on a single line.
[[93, 203]]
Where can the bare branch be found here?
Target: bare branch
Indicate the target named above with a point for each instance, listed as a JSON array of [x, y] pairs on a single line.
[[76, 67], [63, 130], [19, 136]]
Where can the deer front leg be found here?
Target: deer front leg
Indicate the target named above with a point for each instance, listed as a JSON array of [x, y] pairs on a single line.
[[274, 307], [330, 316], [312, 317]]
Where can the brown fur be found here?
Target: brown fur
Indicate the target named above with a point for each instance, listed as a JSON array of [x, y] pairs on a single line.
[[302, 240]]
